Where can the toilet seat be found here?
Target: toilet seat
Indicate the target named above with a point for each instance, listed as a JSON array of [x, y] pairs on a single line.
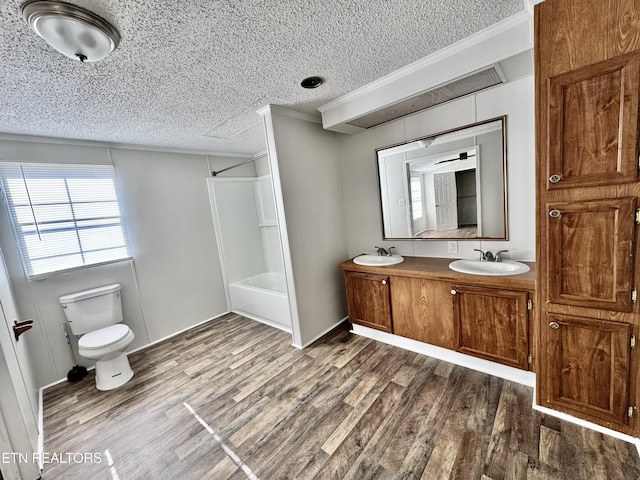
[[103, 337]]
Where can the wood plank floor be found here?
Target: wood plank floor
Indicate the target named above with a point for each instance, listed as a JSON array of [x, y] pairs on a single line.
[[232, 399]]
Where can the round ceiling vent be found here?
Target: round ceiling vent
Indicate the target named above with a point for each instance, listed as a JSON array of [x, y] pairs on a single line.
[[311, 82]]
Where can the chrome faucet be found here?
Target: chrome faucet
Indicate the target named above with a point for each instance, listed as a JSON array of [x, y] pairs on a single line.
[[386, 252], [483, 256], [489, 257]]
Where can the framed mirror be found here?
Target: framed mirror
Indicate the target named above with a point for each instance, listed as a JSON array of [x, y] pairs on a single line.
[[447, 186]]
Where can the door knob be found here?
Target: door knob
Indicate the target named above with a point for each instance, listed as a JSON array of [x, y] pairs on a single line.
[[554, 325], [454, 292], [554, 213], [384, 282]]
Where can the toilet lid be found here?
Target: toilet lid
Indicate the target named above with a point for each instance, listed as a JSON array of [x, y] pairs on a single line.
[[103, 337]]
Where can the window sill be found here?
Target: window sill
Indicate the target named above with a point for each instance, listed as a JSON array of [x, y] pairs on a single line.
[[44, 276]]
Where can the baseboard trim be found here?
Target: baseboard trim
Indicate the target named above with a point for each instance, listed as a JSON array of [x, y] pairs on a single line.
[[135, 350], [41, 429], [62, 380], [160, 340], [320, 335], [508, 373], [586, 424], [484, 366]]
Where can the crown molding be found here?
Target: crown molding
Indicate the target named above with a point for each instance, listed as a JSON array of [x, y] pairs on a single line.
[[11, 137], [529, 4]]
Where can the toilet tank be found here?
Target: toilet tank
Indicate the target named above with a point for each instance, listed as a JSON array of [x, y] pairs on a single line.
[[93, 309]]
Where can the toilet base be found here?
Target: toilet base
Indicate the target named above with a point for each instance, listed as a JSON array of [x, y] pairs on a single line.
[[113, 373]]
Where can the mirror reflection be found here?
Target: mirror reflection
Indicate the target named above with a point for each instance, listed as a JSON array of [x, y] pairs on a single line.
[[447, 186]]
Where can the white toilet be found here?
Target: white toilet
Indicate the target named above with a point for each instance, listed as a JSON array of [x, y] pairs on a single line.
[[96, 315]]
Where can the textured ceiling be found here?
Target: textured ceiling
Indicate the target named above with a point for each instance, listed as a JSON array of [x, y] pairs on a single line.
[[190, 74]]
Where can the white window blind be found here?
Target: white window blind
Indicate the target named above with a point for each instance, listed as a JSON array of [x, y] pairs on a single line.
[[65, 216]]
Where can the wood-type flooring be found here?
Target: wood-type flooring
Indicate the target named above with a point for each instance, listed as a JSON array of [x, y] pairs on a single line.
[[232, 399]]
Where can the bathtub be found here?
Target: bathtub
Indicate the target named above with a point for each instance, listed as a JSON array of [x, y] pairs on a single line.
[[263, 298]]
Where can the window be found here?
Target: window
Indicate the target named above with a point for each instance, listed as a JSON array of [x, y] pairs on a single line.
[[65, 216], [416, 197]]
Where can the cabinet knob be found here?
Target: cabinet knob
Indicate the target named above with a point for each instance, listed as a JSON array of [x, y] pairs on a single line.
[[454, 292], [555, 178], [384, 282], [554, 325], [554, 213]]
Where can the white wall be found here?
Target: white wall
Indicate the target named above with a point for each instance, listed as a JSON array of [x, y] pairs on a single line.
[[360, 181], [308, 190], [167, 206], [175, 280]]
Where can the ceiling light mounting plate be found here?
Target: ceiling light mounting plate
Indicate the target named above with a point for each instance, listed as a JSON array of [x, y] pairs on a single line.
[[74, 31], [311, 82]]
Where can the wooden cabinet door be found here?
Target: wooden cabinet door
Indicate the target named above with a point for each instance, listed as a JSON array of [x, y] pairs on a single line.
[[493, 323], [368, 300], [422, 311], [589, 250], [587, 367], [593, 124]]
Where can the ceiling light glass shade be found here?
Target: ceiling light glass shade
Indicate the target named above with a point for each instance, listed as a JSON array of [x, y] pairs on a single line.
[[71, 30]]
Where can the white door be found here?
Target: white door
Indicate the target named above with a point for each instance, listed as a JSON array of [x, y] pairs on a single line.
[[446, 202], [19, 399]]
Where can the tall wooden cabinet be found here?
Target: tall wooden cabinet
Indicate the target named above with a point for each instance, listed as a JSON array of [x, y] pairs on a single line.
[[587, 55]]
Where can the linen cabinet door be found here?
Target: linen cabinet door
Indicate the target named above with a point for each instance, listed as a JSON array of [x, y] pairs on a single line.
[[589, 247], [368, 300], [493, 323], [587, 366], [593, 124]]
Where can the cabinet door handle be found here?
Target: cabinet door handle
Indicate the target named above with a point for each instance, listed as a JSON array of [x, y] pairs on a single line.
[[454, 292], [555, 213], [555, 178], [554, 325], [384, 282]]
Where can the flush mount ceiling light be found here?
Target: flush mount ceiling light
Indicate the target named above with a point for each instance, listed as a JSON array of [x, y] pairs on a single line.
[[311, 82], [72, 30]]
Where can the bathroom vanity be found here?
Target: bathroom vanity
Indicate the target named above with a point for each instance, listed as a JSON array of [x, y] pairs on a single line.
[[423, 299]]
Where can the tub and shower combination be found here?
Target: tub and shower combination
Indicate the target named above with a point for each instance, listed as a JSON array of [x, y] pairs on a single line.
[[263, 297], [250, 250]]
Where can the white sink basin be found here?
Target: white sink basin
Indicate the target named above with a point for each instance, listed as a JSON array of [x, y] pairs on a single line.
[[476, 267], [378, 260]]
